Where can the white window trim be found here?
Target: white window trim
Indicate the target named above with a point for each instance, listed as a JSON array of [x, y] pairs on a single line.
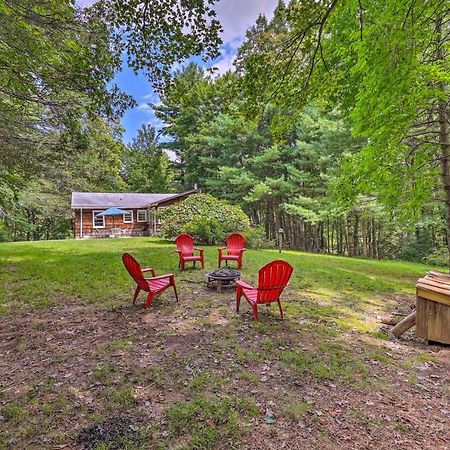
[[145, 214], [94, 213], [128, 221]]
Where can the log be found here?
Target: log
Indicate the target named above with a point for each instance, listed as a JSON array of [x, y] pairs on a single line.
[[404, 325], [390, 320]]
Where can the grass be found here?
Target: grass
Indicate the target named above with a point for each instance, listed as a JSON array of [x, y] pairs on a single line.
[[44, 273], [198, 374]]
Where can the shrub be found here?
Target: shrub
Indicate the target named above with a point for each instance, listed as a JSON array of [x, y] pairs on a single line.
[[256, 238], [206, 231], [438, 257], [207, 219]]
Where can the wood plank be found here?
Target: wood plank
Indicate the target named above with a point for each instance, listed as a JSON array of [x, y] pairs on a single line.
[[421, 317], [434, 321], [426, 283], [443, 277], [437, 295], [445, 319]]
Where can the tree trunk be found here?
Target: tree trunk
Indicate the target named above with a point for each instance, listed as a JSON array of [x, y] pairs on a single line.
[[444, 135], [350, 237]]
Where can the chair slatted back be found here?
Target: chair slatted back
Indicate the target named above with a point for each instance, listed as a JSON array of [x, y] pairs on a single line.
[[273, 278], [185, 244], [134, 269], [235, 243]]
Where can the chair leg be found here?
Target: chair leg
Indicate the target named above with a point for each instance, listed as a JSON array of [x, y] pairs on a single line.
[[255, 312], [238, 297], [136, 293], [281, 310], [150, 298], [203, 263], [175, 290], [182, 265], [220, 262]]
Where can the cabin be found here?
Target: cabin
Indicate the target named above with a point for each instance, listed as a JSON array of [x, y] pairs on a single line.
[[140, 218]]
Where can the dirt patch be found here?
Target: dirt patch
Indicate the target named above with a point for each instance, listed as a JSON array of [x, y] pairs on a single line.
[[114, 433], [194, 375]]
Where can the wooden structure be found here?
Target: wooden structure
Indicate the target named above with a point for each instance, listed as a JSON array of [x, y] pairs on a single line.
[[141, 219], [433, 307]]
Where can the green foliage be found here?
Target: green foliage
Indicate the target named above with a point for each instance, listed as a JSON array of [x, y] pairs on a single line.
[[438, 257], [146, 164], [156, 35], [205, 231], [256, 238], [207, 218]]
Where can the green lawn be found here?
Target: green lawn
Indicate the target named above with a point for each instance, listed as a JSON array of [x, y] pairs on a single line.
[[198, 375]]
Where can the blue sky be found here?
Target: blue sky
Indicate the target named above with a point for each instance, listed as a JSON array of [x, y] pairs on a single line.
[[236, 17]]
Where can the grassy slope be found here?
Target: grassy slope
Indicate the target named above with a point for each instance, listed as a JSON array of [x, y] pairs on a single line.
[[40, 273], [329, 348]]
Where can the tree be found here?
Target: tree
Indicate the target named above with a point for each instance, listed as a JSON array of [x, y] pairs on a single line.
[[193, 100], [386, 64], [147, 167], [156, 34]]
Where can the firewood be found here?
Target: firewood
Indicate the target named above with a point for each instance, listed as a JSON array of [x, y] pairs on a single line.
[[404, 325]]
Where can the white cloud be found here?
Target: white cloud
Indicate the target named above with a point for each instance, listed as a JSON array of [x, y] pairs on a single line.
[[145, 107], [225, 64], [85, 3], [236, 16]]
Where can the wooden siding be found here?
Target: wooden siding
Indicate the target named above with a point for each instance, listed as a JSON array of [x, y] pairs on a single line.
[[114, 225]]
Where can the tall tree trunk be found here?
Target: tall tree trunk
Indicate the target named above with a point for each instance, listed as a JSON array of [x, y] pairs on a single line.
[[350, 236], [444, 135]]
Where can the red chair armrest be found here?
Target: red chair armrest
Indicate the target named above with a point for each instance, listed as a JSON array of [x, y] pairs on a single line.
[[245, 285], [161, 277], [221, 248], [201, 250], [149, 270]]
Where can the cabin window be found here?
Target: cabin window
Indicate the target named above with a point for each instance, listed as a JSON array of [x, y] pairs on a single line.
[[128, 218], [98, 222], [142, 215]]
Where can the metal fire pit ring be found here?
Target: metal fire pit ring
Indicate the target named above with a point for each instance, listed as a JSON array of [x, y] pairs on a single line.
[[222, 279]]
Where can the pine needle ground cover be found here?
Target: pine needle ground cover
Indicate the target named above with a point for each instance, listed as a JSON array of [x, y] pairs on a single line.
[[81, 367]]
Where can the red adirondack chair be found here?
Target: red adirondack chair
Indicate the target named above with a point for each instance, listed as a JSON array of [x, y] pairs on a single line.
[[154, 285], [235, 249], [185, 249], [273, 278]]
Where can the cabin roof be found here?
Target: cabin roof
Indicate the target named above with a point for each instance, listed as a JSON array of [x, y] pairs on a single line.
[[105, 200]]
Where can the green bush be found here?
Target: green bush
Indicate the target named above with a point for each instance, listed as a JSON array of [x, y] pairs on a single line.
[[438, 257], [207, 219], [5, 234], [256, 238], [205, 231]]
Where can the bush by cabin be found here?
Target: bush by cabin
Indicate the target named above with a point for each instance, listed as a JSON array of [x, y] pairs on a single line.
[[140, 218]]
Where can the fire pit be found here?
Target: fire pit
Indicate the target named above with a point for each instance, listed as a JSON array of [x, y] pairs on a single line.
[[222, 279]]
